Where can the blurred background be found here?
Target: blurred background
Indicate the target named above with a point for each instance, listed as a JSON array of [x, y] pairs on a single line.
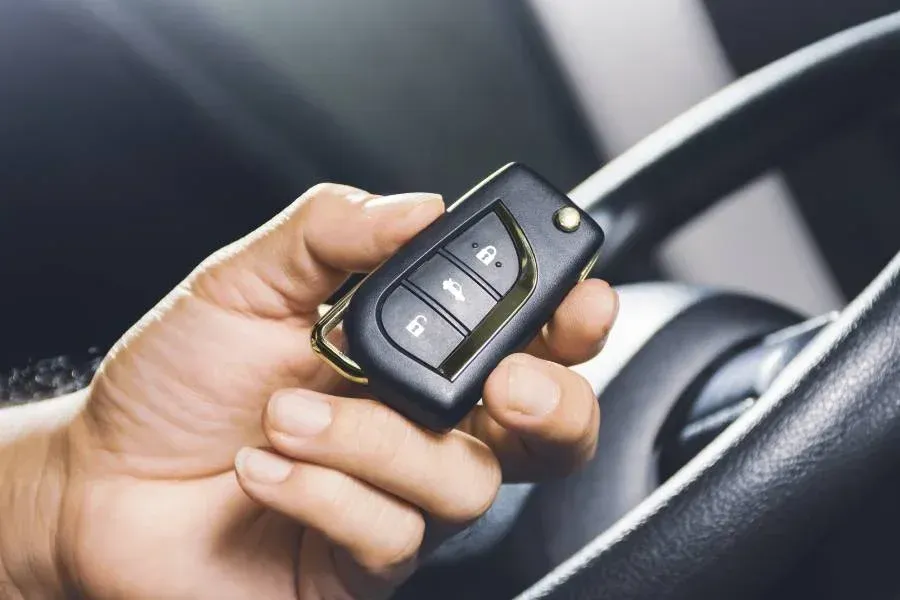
[[136, 136]]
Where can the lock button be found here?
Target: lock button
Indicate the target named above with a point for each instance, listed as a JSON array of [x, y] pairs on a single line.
[[487, 249], [417, 328], [486, 255]]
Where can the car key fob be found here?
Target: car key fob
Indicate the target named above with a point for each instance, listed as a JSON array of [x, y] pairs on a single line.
[[426, 328]]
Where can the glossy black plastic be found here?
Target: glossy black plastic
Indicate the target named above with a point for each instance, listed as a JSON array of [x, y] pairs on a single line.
[[439, 401]]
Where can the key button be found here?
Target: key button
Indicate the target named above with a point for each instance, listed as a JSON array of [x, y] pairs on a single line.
[[417, 328], [455, 291], [487, 249]]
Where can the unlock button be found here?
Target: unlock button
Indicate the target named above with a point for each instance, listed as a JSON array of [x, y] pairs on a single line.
[[417, 328]]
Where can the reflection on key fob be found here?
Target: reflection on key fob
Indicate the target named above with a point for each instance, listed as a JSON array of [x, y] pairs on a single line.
[[426, 329]]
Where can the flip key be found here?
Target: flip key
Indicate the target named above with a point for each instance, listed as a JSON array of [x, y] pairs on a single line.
[[426, 328]]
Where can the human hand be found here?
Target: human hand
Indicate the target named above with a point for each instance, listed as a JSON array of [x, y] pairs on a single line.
[[330, 487]]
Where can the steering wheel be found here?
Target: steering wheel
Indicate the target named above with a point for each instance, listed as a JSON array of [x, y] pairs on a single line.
[[823, 434], [827, 431]]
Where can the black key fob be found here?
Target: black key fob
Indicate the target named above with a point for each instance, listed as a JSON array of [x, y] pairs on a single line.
[[426, 329]]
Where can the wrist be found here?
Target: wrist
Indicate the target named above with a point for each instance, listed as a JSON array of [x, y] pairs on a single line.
[[33, 461]]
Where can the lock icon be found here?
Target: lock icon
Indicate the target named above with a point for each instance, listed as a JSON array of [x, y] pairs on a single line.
[[417, 326], [487, 254]]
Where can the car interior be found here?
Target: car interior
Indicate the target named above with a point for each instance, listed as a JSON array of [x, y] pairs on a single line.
[[742, 158]]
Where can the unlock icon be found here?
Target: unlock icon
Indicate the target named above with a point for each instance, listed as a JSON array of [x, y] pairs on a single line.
[[417, 326], [487, 254]]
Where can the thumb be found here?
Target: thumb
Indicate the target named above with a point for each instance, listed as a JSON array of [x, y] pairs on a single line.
[[184, 388], [289, 266]]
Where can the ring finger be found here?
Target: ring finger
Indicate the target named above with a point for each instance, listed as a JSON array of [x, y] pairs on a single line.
[[453, 476], [380, 532]]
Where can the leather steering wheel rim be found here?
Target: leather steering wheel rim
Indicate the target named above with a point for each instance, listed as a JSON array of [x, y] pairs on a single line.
[[828, 430], [746, 129]]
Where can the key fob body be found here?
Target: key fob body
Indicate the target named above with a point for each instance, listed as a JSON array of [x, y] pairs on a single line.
[[426, 328]]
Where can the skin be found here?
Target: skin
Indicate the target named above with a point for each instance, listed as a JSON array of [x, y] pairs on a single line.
[[215, 456]]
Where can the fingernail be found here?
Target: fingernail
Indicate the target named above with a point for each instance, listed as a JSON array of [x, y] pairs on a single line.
[[299, 414], [531, 391], [261, 467], [397, 201], [411, 211]]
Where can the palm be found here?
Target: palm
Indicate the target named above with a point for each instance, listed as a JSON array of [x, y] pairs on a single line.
[[203, 394]]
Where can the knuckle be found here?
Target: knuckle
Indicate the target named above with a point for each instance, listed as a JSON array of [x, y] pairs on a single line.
[[324, 490], [321, 190], [379, 433], [311, 206], [399, 546], [317, 204], [386, 240], [479, 490]]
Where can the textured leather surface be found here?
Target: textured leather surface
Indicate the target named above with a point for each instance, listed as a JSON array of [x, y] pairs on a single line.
[[859, 168], [562, 516], [456, 568], [759, 496], [532, 528]]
